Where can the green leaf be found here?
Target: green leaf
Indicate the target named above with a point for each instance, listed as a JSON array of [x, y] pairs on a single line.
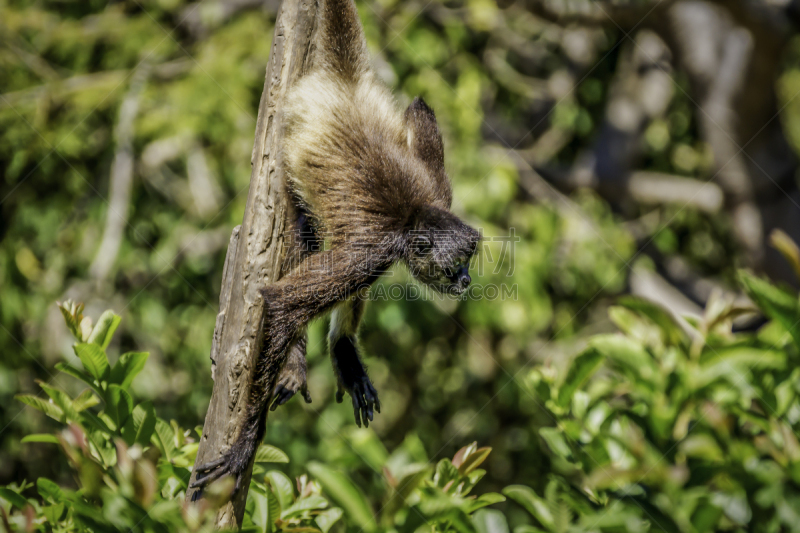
[[536, 506], [53, 513], [472, 480], [85, 400], [671, 331], [581, 369], [274, 507], [270, 454], [104, 329], [527, 528], [474, 460], [490, 521], [15, 499], [746, 357], [164, 439], [341, 490], [49, 490], [61, 399], [92, 421], [79, 374], [94, 359], [41, 437], [556, 442], [407, 479], [282, 486], [706, 516], [627, 353], [459, 520], [261, 514], [310, 503], [436, 503], [73, 314], [119, 405], [778, 304], [127, 367], [326, 519], [106, 451], [144, 423], [47, 407], [368, 447], [483, 500], [702, 446], [445, 473]]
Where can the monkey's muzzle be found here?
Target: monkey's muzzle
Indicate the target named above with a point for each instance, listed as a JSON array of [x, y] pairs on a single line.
[[462, 277]]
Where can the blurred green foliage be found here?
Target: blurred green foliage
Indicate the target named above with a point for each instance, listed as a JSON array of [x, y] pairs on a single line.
[[489, 370]]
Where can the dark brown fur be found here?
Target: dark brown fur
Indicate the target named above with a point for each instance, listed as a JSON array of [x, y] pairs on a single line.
[[373, 181]]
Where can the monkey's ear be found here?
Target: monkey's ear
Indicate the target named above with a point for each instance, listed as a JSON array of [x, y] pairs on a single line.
[[426, 141], [423, 134]]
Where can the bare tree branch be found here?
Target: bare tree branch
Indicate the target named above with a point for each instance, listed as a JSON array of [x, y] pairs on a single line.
[[256, 252], [121, 178], [624, 13]]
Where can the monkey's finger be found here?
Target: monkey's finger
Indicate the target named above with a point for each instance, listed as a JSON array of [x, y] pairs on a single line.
[[339, 396], [356, 409], [197, 494], [276, 397], [210, 466], [281, 390], [372, 394], [307, 396], [237, 486], [286, 395]]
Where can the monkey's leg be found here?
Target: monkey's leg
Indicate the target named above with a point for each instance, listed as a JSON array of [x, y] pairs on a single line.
[[351, 374], [293, 375], [315, 286]]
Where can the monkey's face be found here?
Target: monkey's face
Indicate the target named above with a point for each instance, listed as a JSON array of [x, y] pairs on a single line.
[[441, 252]]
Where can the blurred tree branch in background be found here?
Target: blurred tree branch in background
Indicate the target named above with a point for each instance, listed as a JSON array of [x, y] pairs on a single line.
[[731, 54]]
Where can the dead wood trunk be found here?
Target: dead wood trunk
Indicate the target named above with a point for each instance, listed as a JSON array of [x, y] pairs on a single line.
[[256, 250]]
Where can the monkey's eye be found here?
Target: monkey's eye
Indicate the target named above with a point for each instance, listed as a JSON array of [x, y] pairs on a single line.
[[422, 244]]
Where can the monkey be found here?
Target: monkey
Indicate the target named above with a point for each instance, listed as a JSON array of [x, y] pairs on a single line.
[[371, 179]]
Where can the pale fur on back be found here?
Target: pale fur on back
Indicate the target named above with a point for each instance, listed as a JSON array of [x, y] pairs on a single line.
[[329, 123], [349, 152]]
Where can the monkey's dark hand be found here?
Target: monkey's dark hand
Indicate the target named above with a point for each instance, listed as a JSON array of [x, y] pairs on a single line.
[[293, 377], [363, 394]]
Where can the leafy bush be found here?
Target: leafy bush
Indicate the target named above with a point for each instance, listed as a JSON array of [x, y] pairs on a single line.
[[131, 467], [676, 425]]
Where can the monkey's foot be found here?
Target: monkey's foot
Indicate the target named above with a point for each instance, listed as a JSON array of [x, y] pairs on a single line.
[[364, 396], [288, 385], [293, 376], [233, 463]]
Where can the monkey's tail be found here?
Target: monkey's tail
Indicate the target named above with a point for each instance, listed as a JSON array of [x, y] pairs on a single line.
[[342, 45]]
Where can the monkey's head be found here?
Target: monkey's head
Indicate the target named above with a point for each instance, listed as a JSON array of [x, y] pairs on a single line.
[[440, 249]]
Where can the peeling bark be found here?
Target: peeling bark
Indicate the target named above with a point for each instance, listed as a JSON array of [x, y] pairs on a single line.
[[256, 251]]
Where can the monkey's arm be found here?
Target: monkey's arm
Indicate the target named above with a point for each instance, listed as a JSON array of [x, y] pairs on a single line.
[[351, 375], [316, 285]]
